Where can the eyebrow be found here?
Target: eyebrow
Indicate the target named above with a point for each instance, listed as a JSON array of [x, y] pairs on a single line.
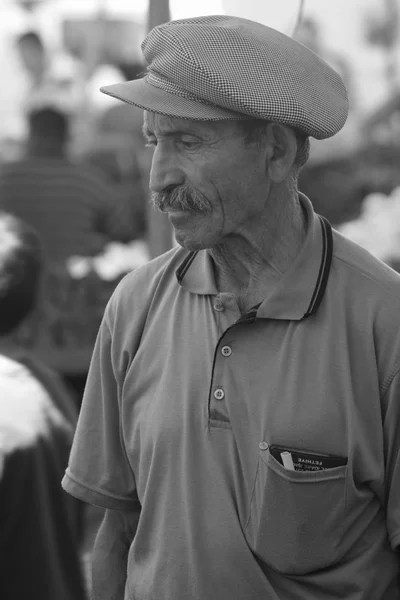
[[147, 133]]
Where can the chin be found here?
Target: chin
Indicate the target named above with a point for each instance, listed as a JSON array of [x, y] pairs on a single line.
[[197, 238], [190, 244]]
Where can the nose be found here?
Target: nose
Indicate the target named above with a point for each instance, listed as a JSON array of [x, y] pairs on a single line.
[[165, 170]]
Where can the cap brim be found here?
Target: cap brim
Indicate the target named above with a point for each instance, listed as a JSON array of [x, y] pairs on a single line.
[[144, 95]]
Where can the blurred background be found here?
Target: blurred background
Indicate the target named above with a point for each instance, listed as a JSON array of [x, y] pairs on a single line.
[[67, 149], [93, 42], [88, 43]]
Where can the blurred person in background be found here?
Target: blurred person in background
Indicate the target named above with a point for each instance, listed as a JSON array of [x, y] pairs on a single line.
[[40, 528], [54, 78], [118, 147], [69, 204], [76, 213]]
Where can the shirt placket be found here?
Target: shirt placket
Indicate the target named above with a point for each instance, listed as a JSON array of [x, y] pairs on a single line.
[[228, 313]]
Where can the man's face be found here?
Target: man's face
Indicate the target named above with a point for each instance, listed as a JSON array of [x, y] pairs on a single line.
[[205, 178]]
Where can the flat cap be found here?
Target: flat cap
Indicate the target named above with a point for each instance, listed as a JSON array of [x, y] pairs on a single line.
[[220, 67]]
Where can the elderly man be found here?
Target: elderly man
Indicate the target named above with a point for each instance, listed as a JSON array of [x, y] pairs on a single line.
[[241, 417]]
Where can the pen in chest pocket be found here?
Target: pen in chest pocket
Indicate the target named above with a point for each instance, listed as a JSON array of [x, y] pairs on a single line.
[[287, 461]]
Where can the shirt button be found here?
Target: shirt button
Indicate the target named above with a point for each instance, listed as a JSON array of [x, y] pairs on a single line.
[[219, 394], [226, 350], [263, 445]]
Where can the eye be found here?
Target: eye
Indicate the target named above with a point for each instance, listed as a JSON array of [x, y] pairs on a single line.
[[188, 143]]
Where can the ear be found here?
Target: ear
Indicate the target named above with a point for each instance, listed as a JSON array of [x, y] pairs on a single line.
[[281, 151]]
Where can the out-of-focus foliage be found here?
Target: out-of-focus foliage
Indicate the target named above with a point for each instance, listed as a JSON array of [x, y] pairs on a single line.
[[334, 189], [378, 226], [382, 30]]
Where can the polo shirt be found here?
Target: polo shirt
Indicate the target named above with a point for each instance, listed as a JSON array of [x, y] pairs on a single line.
[[186, 396]]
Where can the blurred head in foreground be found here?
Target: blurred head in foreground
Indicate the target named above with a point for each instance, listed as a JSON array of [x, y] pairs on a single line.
[[20, 273]]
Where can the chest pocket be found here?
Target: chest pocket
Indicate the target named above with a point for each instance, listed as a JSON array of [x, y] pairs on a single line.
[[295, 523]]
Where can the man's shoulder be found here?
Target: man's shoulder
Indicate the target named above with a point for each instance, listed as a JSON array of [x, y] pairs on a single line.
[[371, 286], [360, 265]]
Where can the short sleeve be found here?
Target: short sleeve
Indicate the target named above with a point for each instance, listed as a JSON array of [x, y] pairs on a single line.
[[392, 458], [98, 471]]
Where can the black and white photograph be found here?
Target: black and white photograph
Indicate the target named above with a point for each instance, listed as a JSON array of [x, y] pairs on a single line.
[[200, 300]]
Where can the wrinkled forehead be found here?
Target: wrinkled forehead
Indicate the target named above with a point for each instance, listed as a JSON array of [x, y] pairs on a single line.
[[157, 124]]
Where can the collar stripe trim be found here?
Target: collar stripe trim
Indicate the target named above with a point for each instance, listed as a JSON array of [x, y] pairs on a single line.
[[323, 274], [182, 270], [325, 267]]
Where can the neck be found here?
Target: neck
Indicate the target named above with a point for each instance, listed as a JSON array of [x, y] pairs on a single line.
[[249, 263]]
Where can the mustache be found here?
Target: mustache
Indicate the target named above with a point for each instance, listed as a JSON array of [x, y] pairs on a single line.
[[182, 197]]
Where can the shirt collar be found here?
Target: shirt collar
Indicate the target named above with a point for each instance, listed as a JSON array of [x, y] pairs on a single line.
[[196, 273], [298, 293]]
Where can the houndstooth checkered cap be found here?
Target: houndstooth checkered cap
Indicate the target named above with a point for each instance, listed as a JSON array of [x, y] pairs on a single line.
[[220, 67]]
